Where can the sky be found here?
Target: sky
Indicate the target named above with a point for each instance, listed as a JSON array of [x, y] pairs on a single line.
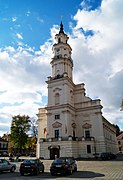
[[27, 31]]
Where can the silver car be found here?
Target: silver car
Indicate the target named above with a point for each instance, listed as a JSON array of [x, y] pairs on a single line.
[[6, 166]]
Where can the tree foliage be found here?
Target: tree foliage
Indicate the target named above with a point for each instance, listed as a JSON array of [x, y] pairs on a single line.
[[31, 144], [19, 131]]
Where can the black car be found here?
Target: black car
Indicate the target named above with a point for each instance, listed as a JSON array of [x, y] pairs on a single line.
[[63, 165], [31, 166], [7, 166], [108, 156]]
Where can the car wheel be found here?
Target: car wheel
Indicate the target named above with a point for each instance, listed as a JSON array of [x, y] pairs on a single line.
[[12, 169]]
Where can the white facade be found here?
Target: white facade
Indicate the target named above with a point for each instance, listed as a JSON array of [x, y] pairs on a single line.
[[72, 123]]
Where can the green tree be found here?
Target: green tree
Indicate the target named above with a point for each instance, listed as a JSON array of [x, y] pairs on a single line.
[[19, 131], [31, 145]]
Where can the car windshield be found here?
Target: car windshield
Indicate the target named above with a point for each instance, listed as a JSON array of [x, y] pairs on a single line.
[[60, 161], [29, 161]]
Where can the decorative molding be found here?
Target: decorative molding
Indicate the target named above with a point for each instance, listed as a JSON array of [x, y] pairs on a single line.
[[86, 126], [56, 125], [56, 89]]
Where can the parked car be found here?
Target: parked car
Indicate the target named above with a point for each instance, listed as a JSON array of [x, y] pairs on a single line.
[[31, 166], [63, 165], [6, 166], [108, 156]]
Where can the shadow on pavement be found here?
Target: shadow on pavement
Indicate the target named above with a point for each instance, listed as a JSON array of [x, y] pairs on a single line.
[[86, 174], [47, 175], [78, 174]]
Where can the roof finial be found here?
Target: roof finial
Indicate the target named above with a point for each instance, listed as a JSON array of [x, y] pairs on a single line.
[[61, 27]]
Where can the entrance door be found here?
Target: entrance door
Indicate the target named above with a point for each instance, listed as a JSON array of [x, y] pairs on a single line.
[[54, 152]]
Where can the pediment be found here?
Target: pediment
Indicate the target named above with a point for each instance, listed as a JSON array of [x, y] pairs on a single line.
[[56, 125], [87, 126]]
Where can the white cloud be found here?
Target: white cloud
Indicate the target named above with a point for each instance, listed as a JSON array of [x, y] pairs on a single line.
[[97, 62], [23, 75], [28, 13], [9, 49], [40, 20], [98, 58], [14, 19], [19, 36], [3, 55]]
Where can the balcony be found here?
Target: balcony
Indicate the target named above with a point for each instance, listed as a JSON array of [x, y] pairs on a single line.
[[87, 138], [69, 138]]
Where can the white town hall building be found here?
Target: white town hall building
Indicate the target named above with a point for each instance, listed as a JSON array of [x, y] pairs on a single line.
[[71, 124]]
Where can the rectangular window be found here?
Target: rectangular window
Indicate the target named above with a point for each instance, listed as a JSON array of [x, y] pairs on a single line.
[[87, 133], [88, 148], [57, 133], [57, 116]]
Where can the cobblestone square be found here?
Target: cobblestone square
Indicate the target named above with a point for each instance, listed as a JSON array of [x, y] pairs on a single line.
[[87, 170]]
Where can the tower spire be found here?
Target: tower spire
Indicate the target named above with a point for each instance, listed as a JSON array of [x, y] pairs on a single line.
[[61, 28]]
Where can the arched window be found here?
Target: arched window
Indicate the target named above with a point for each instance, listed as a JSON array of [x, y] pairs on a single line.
[[57, 98]]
